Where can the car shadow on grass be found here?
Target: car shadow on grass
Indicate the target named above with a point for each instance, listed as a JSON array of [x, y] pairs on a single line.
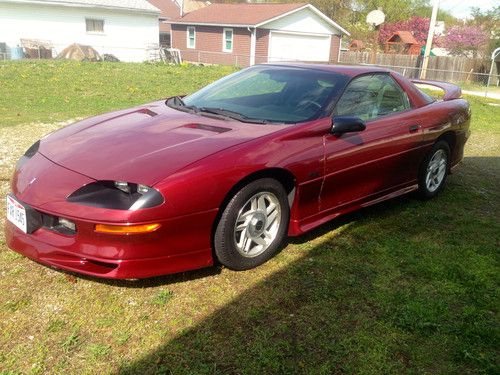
[[216, 269], [382, 290], [150, 282]]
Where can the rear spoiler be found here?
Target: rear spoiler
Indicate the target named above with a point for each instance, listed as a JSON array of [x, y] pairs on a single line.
[[451, 91]]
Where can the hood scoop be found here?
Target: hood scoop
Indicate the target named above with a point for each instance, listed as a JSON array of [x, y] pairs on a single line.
[[209, 128], [147, 111]]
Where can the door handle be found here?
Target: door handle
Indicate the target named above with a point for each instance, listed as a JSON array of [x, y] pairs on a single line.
[[414, 128]]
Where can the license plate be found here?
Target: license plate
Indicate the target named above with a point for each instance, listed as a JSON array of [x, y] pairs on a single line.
[[16, 214]]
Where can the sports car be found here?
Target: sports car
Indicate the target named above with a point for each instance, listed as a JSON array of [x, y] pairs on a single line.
[[225, 174]]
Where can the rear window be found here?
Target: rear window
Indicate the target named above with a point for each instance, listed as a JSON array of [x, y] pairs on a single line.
[[430, 93]]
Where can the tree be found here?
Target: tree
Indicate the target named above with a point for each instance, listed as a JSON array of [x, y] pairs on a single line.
[[394, 10], [489, 21], [418, 26], [465, 40]]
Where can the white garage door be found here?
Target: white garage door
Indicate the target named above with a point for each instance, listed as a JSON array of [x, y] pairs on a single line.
[[290, 47]]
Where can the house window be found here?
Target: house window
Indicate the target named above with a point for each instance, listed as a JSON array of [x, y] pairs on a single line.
[[227, 40], [165, 40], [94, 26], [191, 37]]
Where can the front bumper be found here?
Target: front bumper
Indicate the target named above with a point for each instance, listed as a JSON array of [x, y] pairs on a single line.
[[42, 186], [175, 247]]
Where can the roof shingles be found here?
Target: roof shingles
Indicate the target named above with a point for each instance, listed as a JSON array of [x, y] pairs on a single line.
[[136, 5], [238, 14]]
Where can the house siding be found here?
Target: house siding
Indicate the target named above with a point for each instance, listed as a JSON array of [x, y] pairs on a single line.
[[126, 35], [335, 48], [262, 46], [209, 45]]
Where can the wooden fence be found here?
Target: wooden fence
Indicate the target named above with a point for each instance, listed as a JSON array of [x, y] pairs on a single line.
[[441, 68]]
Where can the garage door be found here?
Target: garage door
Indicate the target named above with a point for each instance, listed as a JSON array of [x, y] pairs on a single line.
[[290, 47]]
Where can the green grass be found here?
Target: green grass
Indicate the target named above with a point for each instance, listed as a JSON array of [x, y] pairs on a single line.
[[48, 91], [403, 287]]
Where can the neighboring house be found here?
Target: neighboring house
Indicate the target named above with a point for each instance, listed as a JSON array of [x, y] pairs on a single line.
[[172, 9], [125, 28], [245, 34]]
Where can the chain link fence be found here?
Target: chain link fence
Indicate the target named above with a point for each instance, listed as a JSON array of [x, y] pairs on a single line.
[[472, 75], [474, 83]]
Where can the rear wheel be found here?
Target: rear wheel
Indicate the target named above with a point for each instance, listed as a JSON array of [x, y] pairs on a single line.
[[253, 225], [434, 170]]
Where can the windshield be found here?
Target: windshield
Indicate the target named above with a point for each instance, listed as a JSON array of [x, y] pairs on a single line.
[[268, 94]]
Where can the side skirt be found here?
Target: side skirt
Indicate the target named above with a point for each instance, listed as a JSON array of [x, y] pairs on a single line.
[[298, 228]]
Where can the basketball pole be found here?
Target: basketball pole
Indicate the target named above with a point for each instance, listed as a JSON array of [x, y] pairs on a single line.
[[430, 37]]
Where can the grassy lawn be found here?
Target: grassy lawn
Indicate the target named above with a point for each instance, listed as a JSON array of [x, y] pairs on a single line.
[[402, 287], [47, 91]]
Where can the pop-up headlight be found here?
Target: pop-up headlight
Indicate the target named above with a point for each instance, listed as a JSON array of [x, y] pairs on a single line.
[[117, 195], [30, 152]]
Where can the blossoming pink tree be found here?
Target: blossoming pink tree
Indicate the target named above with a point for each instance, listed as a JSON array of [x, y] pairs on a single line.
[[465, 40], [418, 26]]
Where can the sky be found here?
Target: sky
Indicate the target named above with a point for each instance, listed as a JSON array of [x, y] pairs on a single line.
[[461, 8]]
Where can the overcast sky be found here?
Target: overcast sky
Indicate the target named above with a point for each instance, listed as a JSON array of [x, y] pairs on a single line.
[[461, 8]]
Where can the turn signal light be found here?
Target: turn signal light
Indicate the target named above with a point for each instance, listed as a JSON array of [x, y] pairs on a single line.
[[126, 229]]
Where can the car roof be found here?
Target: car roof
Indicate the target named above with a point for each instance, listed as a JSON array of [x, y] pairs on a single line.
[[350, 70], [417, 98]]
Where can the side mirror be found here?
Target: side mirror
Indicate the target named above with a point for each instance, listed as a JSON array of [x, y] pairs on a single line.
[[347, 124]]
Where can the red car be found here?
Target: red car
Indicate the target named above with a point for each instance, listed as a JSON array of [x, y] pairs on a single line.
[[225, 174]]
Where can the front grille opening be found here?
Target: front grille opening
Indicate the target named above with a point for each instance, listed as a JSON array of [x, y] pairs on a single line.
[[57, 224]]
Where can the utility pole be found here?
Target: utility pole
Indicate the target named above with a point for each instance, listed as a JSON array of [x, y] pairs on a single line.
[[375, 18], [430, 36]]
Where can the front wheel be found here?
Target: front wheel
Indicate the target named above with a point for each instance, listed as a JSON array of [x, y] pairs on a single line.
[[434, 170], [253, 225]]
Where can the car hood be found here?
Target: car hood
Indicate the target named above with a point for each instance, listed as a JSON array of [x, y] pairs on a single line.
[[144, 144]]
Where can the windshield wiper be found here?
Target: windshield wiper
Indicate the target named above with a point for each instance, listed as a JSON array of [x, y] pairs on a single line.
[[232, 114], [176, 102]]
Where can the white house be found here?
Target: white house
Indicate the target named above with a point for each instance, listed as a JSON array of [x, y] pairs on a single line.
[[124, 28]]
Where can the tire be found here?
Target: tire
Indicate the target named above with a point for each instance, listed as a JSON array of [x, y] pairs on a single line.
[[434, 170], [245, 221]]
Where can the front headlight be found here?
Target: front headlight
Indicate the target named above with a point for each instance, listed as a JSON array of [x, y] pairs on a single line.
[[118, 195], [130, 188]]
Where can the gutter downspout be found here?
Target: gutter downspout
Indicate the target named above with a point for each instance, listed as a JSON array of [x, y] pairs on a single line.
[[253, 43], [340, 47]]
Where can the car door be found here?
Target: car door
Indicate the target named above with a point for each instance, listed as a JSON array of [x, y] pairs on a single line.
[[363, 166]]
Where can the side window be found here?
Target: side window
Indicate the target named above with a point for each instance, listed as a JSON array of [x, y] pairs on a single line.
[[358, 99], [227, 42], [392, 98], [372, 96], [94, 25], [191, 37]]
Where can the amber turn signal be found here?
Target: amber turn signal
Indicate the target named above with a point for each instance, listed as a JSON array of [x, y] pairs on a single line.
[[126, 229]]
